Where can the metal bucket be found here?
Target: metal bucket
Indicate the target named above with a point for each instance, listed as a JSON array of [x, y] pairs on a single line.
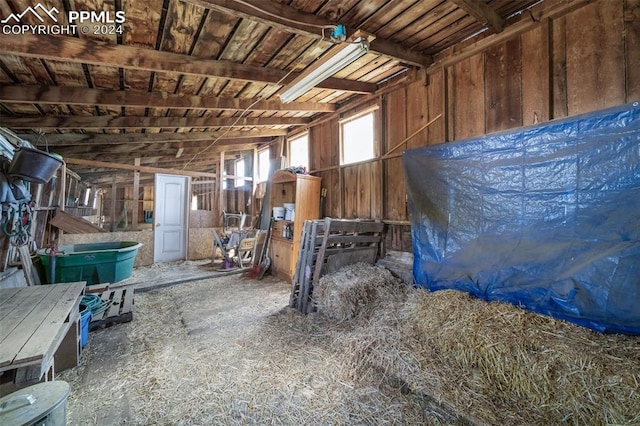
[[41, 404], [34, 165]]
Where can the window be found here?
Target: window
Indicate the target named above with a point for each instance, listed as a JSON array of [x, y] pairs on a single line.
[[357, 138], [239, 172], [299, 151], [263, 165]]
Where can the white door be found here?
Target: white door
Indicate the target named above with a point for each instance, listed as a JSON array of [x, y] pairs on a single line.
[[171, 214]]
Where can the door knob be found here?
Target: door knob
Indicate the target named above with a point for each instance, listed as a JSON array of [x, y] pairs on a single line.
[[157, 225]]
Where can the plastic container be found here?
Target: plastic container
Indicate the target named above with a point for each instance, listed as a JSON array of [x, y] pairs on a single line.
[[278, 213], [40, 404], [85, 318], [289, 211], [34, 165], [96, 263]]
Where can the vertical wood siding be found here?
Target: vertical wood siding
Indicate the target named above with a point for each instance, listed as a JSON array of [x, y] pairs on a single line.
[[585, 61]]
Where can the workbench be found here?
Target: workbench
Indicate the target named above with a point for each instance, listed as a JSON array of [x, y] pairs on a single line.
[[39, 333]]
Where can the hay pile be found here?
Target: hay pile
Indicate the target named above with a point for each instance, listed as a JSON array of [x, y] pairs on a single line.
[[227, 351], [356, 290], [487, 362]]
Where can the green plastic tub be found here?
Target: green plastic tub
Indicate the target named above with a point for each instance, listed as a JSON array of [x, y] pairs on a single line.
[[95, 263]]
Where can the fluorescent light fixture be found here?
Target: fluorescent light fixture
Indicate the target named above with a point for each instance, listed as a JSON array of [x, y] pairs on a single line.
[[339, 57]]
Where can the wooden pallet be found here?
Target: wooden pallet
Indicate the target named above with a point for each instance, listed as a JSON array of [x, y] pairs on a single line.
[[326, 246], [120, 311]]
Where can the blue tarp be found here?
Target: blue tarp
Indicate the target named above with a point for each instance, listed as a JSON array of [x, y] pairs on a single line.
[[545, 217]]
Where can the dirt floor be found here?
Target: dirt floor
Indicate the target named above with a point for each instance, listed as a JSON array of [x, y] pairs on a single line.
[[227, 350]]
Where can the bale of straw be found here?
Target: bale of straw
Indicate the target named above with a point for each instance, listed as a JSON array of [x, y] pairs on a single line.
[[494, 362], [353, 290]]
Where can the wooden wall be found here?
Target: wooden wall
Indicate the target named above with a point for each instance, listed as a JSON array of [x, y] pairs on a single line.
[[585, 61]]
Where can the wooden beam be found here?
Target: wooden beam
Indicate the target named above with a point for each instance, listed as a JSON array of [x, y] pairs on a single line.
[[162, 149], [548, 10], [136, 196], [54, 122], [482, 13], [292, 20], [138, 138], [143, 169], [139, 98], [88, 51]]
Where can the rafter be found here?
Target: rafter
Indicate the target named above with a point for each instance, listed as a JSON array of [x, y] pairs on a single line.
[[88, 51], [142, 138], [144, 169], [138, 98], [481, 12], [157, 149], [290, 19], [135, 122], [538, 16]]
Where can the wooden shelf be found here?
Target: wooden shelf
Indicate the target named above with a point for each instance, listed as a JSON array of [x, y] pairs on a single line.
[[304, 192]]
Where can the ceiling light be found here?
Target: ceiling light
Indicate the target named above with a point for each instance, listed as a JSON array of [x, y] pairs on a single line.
[[336, 59]]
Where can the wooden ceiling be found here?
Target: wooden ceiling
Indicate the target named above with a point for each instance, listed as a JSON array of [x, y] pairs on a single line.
[[187, 79]]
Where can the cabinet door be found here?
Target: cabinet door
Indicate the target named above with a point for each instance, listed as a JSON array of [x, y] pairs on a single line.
[[281, 258]]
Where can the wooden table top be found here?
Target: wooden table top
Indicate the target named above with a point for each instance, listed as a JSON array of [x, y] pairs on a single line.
[[34, 319]]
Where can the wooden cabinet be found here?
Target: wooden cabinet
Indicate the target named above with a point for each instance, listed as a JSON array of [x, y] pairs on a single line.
[[304, 192]]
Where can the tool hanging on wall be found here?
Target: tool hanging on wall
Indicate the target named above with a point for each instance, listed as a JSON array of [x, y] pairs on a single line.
[[17, 207], [17, 223]]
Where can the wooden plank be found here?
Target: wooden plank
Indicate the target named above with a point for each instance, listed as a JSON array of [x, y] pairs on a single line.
[[67, 354], [341, 251], [133, 98], [396, 131], [53, 122], [30, 273], [469, 98], [359, 226], [173, 58], [74, 225], [128, 300], [143, 169], [365, 187], [559, 103], [632, 54], [353, 239], [300, 264], [350, 191], [436, 107], [595, 80], [306, 285], [61, 308], [116, 301], [536, 54], [482, 12], [120, 310], [319, 259], [7, 300], [13, 318], [337, 261], [135, 214], [503, 86], [89, 141]]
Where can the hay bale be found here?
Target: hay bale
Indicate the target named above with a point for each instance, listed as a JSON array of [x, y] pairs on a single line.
[[354, 290], [496, 363]]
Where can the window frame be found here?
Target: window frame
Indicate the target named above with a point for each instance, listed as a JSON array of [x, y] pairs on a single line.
[[261, 152], [239, 182], [374, 112], [294, 138]]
